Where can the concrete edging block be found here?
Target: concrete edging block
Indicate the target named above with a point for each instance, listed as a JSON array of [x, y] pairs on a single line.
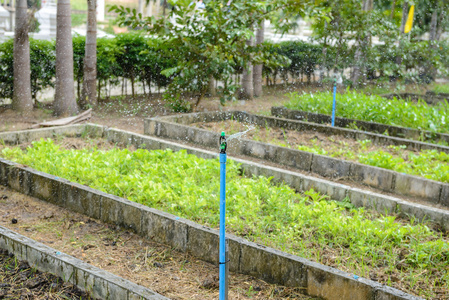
[[274, 266], [418, 187], [330, 167], [164, 228], [373, 176]]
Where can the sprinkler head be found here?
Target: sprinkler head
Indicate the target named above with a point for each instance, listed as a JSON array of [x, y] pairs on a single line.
[[223, 144]]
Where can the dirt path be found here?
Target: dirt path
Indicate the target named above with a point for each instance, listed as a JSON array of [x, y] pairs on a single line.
[[171, 273]]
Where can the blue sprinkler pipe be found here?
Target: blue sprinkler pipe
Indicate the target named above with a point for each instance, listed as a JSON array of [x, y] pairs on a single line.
[[334, 102], [222, 257]]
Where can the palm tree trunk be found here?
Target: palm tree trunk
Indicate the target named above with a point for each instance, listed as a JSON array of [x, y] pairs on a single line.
[[257, 75], [90, 57], [149, 10], [22, 100], [140, 7], [65, 102]]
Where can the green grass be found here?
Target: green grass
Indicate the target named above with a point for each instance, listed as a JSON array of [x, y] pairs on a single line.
[[354, 105], [441, 88], [307, 224]]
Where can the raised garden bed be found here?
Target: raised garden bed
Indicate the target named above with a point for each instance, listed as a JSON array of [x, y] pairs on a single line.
[[172, 273], [396, 112], [185, 235], [367, 127], [178, 128]]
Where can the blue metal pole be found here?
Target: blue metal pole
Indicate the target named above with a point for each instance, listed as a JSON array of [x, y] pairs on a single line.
[[334, 103], [222, 256]]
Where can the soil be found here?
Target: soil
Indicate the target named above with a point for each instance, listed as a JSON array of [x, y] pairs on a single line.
[[169, 272], [19, 281]]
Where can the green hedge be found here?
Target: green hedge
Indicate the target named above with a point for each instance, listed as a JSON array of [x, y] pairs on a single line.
[[127, 56], [42, 63], [137, 58]]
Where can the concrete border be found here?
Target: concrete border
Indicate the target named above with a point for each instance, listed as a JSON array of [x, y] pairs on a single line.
[[177, 128], [393, 131], [97, 282], [246, 257]]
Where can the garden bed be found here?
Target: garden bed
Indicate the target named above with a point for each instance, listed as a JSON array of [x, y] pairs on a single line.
[[428, 123], [169, 272], [378, 128], [246, 253], [179, 128]]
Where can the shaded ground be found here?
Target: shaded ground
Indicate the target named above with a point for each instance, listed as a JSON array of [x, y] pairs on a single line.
[[171, 273], [19, 281]]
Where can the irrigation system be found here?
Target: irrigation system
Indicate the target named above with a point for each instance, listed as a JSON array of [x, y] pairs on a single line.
[[223, 257]]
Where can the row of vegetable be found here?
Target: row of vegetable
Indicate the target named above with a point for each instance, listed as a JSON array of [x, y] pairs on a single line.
[[373, 108], [405, 254]]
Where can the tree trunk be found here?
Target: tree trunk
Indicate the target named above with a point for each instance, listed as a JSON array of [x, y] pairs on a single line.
[[442, 20], [211, 89], [433, 25], [149, 10], [401, 30], [132, 86], [22, 100], [393, 6], [90, 57], [65, 102], [430, 70], [164, 7], [360, 54], [140, 7], [257, 75], [404, 16], [158, 7], [99, 89], [247, 90]]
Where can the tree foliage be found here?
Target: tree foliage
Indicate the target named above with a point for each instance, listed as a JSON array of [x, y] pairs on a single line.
[[212, 42]]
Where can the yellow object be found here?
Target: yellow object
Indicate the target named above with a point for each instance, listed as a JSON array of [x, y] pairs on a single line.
[[409, 24]]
